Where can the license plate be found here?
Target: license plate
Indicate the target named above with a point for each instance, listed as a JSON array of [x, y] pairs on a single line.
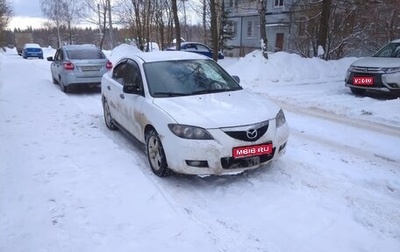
[[90, 68], [363, 81], [250, 151]]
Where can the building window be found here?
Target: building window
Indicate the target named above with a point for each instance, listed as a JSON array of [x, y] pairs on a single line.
[[250, 29], [278, 3], [232, 3]]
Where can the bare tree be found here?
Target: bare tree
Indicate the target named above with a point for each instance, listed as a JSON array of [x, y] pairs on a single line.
[[100, 7], [53, 10], [5, 15], [338, 27], [72, 12]]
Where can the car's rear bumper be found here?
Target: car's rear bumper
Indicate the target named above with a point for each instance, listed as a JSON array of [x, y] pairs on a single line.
[[33, 55], [71, 79]]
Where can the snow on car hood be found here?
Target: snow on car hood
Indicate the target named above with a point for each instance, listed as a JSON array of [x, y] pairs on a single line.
[[219, 109], [377, 62]]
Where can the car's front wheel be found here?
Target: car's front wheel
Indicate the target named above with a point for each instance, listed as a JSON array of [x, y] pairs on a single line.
[[156, 155], [358, 91], [107, 116]]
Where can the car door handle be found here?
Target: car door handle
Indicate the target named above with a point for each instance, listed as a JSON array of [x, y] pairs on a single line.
[[108, 87], [122, 96]]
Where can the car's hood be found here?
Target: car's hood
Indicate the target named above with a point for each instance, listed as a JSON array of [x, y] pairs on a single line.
[[377, 62], [219, 109]]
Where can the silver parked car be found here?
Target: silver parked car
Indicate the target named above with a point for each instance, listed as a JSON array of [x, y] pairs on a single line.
[[78, 65]]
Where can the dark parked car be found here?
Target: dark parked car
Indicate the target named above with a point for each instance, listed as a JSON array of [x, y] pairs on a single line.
[[78, 65], [197, 48], [32, 51], [381, 72]]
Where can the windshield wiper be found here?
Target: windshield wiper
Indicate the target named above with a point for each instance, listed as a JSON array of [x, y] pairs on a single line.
[[169, 94], [209, 91]]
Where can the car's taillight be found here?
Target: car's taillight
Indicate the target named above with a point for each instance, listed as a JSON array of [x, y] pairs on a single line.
[[69, 66], [109, 65]]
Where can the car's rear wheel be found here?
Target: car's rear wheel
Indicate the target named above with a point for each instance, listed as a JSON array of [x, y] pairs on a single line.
[[107, 116], [156, 155], [358, 91], [54, 80], [63, 87]]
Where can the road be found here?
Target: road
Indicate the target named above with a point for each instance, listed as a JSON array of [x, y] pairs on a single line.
[[67, 183]]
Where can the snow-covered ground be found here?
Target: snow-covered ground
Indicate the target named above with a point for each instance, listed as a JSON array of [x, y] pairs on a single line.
[[69, 184]]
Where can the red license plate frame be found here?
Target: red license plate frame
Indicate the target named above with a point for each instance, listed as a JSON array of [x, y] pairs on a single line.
[[252, 150], [363, 81]]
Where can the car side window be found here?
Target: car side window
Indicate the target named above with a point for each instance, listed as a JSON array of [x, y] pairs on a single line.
[[132, 76], [191, 47], [202, 48], [119, 73], [58, 56]]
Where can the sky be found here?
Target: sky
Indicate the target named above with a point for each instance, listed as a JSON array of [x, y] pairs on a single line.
[[67, 183], [26, 13]]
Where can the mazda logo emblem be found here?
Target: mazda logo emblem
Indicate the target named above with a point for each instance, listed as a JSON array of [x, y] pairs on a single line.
[[251, 133]]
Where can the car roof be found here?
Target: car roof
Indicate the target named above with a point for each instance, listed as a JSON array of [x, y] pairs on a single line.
[[32, 45], [169, 56], [396, 41], [81, 46]]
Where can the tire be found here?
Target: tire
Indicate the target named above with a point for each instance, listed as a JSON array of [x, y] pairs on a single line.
[[358, 91], [63, 88], [155, 154], [107, 116], [54, 80]]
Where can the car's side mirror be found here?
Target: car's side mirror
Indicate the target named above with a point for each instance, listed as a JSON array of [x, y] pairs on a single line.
[[50, 58], [131, 89], [236, 78]]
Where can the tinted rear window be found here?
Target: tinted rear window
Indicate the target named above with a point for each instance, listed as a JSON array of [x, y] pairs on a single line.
[[85, 54]]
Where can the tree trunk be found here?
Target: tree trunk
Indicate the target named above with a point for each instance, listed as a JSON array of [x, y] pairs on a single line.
[[263, 32], [214, 29], [177, 26], [324, 25], [110, 22], [205, 21]]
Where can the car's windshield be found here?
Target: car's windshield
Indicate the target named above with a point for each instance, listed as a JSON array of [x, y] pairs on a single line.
[[187, 77], [85, 54], [391, 50]]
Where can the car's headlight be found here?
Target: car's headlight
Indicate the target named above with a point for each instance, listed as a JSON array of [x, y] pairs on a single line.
[[391, 70], [280, 119], [351, 68], [189, 132]]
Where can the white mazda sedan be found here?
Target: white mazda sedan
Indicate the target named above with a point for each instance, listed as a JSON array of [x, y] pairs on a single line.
[[191, 115]]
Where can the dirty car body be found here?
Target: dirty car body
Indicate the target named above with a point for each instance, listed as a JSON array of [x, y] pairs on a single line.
[[191, 115]]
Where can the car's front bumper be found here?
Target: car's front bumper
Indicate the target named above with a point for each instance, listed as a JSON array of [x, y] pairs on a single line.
[[385, 82], [214, 157]]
